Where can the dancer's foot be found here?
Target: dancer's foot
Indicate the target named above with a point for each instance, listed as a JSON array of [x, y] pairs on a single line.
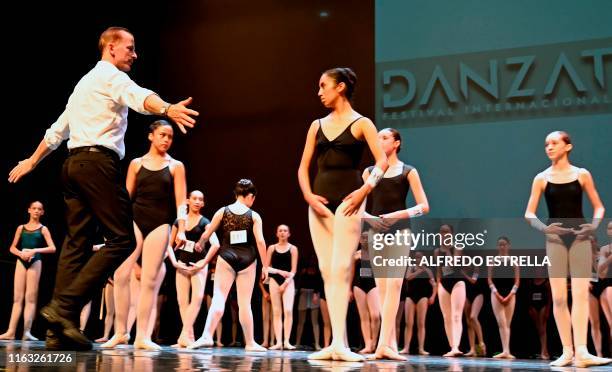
[[317, 347], [255, 347], [146, 345], [278, 346], [471, 353], [345, 354], [184, 340], [423, 352], [27, 336], [481, 349], [219, 344], [117, 339], [201, 342], [323, 354], [404, 351], [387, 352], [366, 350], [265, 344], [453, 353], [585, 359], [545, 356], [101, 340], [564, 360], [288, 346], [7, 336]]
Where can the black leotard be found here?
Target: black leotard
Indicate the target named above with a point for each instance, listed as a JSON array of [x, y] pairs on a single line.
[[537, 294], [365, 283], [564, 201], [30, 239], [240, 255], [390, 194], [154, 200], [503, 279], [193, 235], [280, 261], [338, 166], [419, 287], [450, 276]]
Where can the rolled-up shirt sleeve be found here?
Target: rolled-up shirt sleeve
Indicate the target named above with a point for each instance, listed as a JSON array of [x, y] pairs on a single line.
[[126, 92], [58, 132]]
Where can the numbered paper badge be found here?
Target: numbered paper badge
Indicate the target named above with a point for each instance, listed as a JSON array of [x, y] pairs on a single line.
[[189, 245], [237, 237]]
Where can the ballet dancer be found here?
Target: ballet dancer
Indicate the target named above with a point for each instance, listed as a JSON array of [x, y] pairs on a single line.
[[336, 197], [567, 244]]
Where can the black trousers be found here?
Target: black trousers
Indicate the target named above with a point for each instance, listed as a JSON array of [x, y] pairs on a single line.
[[96, 197]]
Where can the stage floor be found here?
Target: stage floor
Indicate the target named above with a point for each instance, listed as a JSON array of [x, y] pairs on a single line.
[[126, 359]]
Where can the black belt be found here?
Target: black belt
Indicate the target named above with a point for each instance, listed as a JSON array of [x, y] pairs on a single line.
[[98, 148]]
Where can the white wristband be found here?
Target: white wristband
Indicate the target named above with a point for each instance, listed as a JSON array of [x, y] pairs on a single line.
[[537, 224], [493, 289], [514, 288], [181, 212], [415, 211], [375, 176]]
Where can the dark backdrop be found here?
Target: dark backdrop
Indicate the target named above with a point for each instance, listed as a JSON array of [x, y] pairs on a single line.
[[252, 69]]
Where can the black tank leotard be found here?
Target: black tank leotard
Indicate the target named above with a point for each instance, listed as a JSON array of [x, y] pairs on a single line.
[[193, 235], [419, 287], [365, 283], [338, 166], [240, 255], [450, 276], [538, 294], [280, 261], [390, 195], [154, 200], [30, 239], [564, 202], [503, 279]]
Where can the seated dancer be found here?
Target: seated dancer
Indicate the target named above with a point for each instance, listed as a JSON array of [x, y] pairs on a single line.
[[241, 241], [29, 242]]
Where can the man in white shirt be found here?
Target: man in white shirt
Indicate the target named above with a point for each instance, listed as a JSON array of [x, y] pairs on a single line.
[[94, 122]]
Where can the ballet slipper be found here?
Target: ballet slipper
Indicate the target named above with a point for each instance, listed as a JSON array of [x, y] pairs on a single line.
[[7, 336], [345, 354], [323, 354], [510, 356], [218, 344], [317, 347], [201, 342], [584, 359], [276, 347], [366, 350], [386, 352], [288, 346], [146, 345], [453, 353], [27, 336], [255, 347], [501, 355], [183, 340], [404, 351], [117, 339], [471, 353], [564, 360], [423, 352], [545, 356], [481, 349], [101, 340], [265, 344]]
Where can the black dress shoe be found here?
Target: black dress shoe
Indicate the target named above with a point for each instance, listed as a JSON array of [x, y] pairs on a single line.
[[64, 328], [55, 342]]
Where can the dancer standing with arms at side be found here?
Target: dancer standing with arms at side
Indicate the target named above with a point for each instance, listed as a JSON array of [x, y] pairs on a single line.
[[29, 242], [283, 259], [157, 184], [567, 244], [389, 203], [336, 197], [94, 122]]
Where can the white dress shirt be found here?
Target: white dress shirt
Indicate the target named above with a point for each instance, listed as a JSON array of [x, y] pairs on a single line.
[[96, 113]]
